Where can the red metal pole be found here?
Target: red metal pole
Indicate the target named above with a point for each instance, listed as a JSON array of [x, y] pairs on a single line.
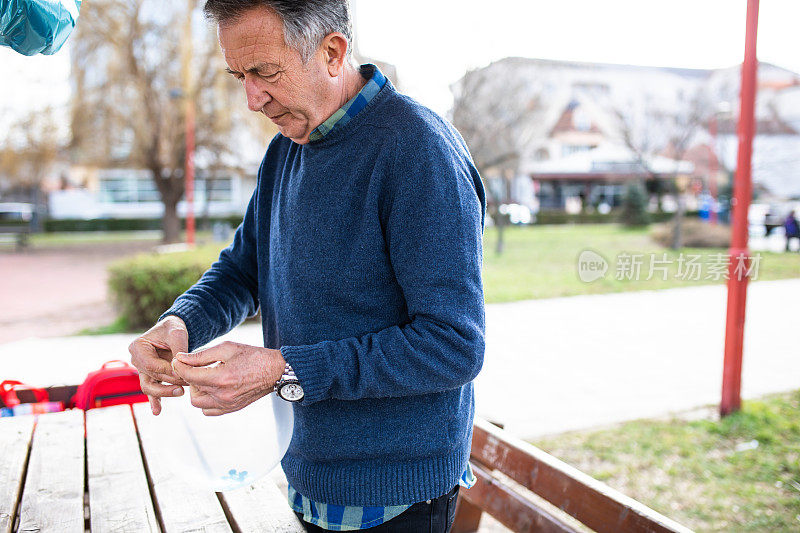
[[189, 171], [713, 170], [737, 283]]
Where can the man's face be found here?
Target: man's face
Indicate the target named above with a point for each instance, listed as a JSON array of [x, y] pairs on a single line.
[[276, 81]]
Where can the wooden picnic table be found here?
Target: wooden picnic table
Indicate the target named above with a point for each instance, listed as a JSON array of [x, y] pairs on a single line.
[[66, 472]]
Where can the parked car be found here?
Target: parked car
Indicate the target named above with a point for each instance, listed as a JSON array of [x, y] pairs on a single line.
[[517, 213], [15, 213]]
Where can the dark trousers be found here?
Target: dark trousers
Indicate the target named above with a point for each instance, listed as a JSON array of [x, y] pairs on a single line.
[[433, 516]]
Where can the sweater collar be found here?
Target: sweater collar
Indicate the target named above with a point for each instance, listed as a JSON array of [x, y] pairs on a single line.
[[375, 82]]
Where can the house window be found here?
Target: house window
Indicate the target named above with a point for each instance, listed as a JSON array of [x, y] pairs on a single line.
[[146, 191], [217, 189], [581, 120], [128, 190], [134, 189], [569, 149], [117, 190]]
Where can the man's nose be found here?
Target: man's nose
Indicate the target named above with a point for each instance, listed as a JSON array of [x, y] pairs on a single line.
[[257, 94]]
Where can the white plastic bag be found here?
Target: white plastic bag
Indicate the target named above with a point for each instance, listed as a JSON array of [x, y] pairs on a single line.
[[228, 451]]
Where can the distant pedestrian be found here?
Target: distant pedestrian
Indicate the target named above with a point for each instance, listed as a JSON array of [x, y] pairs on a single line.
[[792, 228]]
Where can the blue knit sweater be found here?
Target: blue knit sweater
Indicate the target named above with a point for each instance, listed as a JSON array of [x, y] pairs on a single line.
[[363, 250]]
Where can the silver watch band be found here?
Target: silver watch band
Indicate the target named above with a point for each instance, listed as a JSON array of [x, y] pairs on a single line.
[[288, 375], [288, 372]]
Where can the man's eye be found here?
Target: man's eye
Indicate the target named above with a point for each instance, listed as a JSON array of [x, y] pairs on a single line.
[[270, 77]]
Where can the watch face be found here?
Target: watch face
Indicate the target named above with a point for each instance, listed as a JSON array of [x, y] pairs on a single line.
[[292, 392]]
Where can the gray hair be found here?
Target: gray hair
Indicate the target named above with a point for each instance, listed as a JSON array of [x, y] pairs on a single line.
[[305, 22]]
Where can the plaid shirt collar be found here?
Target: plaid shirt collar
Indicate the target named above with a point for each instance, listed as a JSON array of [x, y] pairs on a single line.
[[375, 82]]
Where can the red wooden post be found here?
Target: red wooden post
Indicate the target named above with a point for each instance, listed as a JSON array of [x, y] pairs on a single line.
[[189, 170], [188, 96], [737, 283], [713, 168]]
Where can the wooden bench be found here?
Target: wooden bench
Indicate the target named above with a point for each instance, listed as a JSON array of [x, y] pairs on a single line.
[[528, 490], [17, 234], [64, 472]]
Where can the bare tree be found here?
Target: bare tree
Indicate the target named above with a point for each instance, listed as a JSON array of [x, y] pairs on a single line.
[[28, 152], [495, 110], [127, 108], [652, 131]]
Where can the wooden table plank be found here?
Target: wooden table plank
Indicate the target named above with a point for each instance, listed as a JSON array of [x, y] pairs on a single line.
[[15, 438], [119, 496], [53, 495], [261, 507], [182, 505]]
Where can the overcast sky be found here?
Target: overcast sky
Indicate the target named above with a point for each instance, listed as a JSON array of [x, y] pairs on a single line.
[[433, 42]]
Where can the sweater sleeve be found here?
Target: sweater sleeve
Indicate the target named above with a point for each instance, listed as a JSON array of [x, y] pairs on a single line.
[[433, 232], [227, 292]]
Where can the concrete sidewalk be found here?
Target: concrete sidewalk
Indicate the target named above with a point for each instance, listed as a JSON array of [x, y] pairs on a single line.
[[557, 364]]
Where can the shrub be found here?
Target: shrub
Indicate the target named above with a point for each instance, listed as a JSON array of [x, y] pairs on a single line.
[[123, 224], [694, 234], [561, 217], [634, 206], [144, 286]]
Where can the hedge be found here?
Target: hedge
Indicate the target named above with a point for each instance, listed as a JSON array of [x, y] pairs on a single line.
[[123, 224], [560, 217], [145, 285]]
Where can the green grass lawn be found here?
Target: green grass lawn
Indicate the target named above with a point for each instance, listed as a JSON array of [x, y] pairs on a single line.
[[541, 262], [738, 474]]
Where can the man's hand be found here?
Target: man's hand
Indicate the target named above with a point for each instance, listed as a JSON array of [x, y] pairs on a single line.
[[243, 375], [152, 353]]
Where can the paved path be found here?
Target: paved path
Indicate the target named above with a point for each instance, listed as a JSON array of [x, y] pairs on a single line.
[[583, 361], [71, 279], [558, 364]]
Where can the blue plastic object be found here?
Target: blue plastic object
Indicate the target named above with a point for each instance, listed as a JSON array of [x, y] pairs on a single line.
[[37, 26]]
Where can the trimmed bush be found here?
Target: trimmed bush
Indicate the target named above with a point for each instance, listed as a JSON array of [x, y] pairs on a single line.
[[124, 224], [695, 233], [634, 206], [560, 217], [144, 286]]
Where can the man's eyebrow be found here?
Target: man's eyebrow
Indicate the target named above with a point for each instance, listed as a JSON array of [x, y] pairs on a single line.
[[255, 68]]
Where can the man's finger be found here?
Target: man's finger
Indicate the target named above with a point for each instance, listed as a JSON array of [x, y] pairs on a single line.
[[149, 363], [155, 405], [178, 339], [215, 411], [205, 402], [197, 375], [208, 356], [157, 368], [171, 378], [152, 388]]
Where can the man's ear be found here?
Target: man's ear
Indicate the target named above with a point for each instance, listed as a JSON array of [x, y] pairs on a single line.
[[334, 47]]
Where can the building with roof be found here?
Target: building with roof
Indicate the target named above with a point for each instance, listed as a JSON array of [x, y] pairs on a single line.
[[587, 129]]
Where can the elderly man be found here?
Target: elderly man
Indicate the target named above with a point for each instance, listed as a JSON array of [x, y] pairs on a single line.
[[362, 246]]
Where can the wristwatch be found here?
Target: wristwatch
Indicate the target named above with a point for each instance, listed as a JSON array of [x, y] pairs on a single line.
[[288, 386]]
